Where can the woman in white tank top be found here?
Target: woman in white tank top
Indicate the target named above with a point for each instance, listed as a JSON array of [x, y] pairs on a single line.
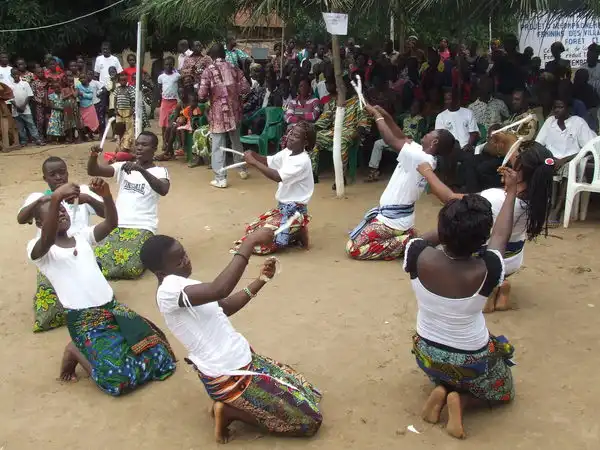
[[452, 345], [535, 168]]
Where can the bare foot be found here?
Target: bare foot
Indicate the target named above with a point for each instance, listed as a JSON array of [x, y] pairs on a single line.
[[434, 405], [303, 238], [221, 423], [69, 363], [503, 299], [455, 424], [490, 304]]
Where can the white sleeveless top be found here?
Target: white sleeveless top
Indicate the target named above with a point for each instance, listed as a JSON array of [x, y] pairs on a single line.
[[453, 322]]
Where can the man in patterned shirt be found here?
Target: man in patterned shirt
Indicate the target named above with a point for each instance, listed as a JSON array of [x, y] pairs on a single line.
[[488, 110], [233, 54], [223, 85]]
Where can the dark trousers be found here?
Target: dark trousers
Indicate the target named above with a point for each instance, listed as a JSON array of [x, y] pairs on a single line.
[[478, 172]]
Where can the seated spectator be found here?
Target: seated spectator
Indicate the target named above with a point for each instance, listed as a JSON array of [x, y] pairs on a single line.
[[255, 97], [458, 121], [584, 92], [305, 107], [488, 110], [564, 135], [592, 66], [578, 108]]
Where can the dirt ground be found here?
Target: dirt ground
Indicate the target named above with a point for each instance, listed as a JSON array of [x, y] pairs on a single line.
[[346, 325]]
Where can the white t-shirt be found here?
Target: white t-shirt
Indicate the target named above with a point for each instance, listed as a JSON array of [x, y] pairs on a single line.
[[77, 279], [567, 142], [5, 76], [137, 202], [297, 182], [322, 89], [103, 64], [21, 93], [96, 88], [213, 344], [80, 220], [181, 58], [406, 185], [496, 197], [460, 123], [169, 85]]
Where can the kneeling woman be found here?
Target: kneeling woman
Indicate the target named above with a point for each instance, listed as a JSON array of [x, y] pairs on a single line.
[[291, 169], [244, 385], [141, 184], [535, 168], [453, 345], [119, 349]]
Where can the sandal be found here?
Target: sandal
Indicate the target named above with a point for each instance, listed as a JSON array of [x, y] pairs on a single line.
[[164, 156], [374, 175]]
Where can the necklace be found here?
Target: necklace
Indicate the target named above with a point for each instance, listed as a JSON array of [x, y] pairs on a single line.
[[453, 258]]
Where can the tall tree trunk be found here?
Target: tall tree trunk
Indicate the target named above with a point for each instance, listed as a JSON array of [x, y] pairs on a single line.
[[340, 111]]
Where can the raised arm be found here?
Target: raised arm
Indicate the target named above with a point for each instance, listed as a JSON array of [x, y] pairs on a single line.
[[100, 187], [252, 160], [385, 124], [437, 186], [223, 285], [504, 222], [98, 170], [159, 185], [67, 191], [237, 301]]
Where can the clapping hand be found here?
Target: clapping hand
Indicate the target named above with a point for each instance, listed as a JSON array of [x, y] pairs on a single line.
[[99, 187]]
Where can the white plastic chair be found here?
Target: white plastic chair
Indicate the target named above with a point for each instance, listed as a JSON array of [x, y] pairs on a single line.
[[575, 187]]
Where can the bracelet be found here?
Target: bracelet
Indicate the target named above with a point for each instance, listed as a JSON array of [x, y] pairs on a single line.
[[379, 118], [249, 292], [236, 253], [427, 169]]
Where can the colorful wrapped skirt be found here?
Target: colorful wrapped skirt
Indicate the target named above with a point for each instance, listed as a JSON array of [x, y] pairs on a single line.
[[485, 374], [275, 218], [47, 310], [119, 254], [378, 241], [124, 349], [291, 408]]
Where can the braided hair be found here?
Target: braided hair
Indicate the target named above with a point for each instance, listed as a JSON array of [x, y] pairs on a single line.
[[464, 224], [536, 165]]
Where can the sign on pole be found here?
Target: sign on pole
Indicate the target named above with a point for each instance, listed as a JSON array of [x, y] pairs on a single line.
[[575, 33], [336, 23]]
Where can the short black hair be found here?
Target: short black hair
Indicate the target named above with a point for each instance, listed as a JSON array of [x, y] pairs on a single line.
[[169, 57], [153, 251], [464, 225], [446, 142], [50, 160], [217, 51], [151, 135]]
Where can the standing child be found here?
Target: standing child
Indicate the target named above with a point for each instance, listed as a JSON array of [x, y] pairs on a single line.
[[39, 86], [291, 168], [21, 112], [56, 126], [169, 94], [71, 118], [124, 109], [119, 349], [185, 120], [109, 93], [86, 102], [48, 311]]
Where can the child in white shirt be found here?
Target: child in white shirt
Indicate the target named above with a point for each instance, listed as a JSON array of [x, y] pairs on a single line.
[[291, 169]]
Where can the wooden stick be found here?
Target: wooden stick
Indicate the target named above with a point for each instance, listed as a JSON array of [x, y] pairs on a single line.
[[111, 120], [515, 124], [230, 150], [232, 166]]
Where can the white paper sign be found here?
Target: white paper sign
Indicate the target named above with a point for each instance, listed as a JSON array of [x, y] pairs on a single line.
[[574, 32], [336, 23]]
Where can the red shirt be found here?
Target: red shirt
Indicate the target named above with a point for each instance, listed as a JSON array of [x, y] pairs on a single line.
[[130, 71]]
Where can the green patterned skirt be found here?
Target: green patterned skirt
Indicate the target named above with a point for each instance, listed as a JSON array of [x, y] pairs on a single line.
[[47, 310], [119, 253]]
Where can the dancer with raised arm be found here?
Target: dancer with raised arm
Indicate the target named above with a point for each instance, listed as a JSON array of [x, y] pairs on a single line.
[[119, 349], [141, 184], [452, 345], [48, 312], [387, 228], [291, 168], [534, 165], [244, 385]]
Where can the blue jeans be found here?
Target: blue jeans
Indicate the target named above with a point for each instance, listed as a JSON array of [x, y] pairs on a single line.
[[25, 124]]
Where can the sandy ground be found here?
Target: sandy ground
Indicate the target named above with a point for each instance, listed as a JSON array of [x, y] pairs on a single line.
[[346, 325]]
